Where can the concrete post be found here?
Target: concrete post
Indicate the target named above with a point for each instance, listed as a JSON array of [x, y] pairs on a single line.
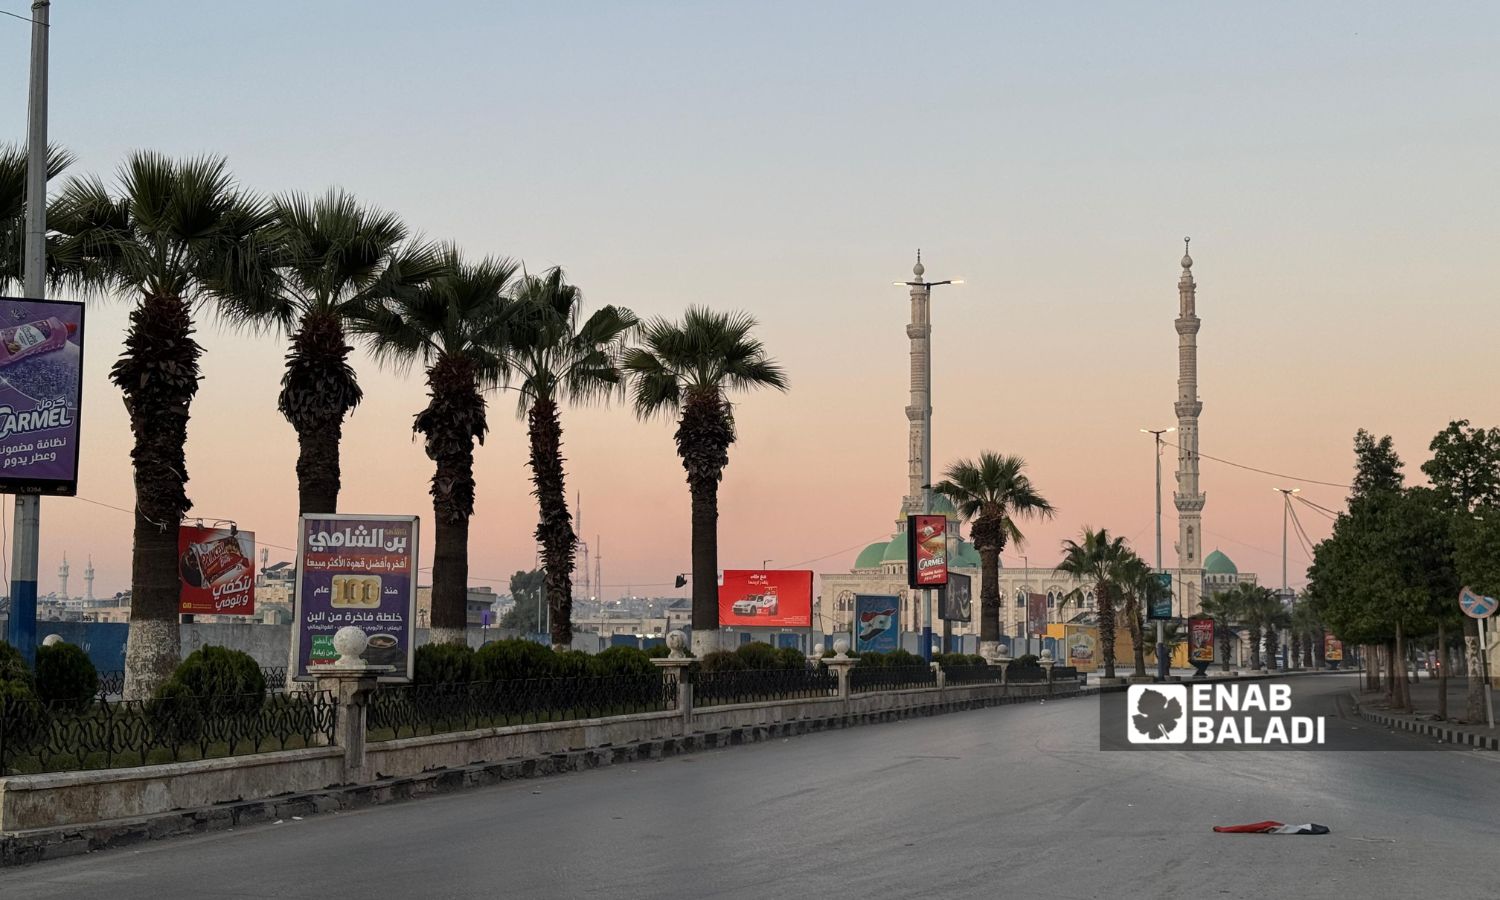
[[840, 662], [676, 665], [351, 690], [1046, 662], [942, 680]]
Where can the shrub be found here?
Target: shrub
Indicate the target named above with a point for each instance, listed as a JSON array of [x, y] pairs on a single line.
[[444, 663], [514, 658], [758, 655], [721, 661], [65, 676], [13, 666], [790, 658], [624, 661], [25, 719], [575, 664], [660, 651], [231, 678], [891, 660]]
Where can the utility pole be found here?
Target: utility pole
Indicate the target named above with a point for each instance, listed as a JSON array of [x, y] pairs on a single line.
[[21, 626], [1162, 664], [1286, 514]]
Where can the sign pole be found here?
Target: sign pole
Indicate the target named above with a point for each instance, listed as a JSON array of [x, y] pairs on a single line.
[[1484, 669]]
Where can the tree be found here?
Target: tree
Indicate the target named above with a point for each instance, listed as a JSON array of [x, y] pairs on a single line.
[[688, 369], [1262, 613], [1098, 560], [1223, 608], [13, 164], [1138, 586], [1305, 624], [328, 259], [992, 493], [1377, 468], [178, 233], [560, 357], [526, 589], [455, 325]]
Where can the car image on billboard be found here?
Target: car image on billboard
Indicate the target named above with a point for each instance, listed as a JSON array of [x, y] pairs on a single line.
[[773, 598]]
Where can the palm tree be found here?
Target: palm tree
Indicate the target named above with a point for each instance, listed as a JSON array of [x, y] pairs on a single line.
[[1261, 610], [1223, 606], [1098, 560], [179, 233], [1138, 585], [13, 161], [330, 257], [454, 325], [558, 356], [991, 494], [1172, 635], [687, 369]]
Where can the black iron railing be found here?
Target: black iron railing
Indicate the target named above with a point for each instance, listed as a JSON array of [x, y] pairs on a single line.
[[1064, 673], [1026, 675], [112, 683], [104, 734], [409, 710], [973, 674], [755, 685], [892, 678]]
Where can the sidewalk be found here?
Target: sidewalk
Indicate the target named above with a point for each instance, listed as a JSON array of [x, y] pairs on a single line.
[[1374, 707]]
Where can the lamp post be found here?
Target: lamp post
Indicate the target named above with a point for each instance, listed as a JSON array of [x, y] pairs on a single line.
[[1286, 514], [923, 289], [1162, 669]]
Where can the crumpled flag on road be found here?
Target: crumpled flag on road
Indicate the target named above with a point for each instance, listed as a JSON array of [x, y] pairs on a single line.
[[1271, 828]]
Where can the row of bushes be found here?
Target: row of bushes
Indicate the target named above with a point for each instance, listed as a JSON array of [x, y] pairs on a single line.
[[64, 676], [518, 658]]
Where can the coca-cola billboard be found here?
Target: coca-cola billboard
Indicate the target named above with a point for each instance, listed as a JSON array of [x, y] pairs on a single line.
[[926, 551], [216, 570]]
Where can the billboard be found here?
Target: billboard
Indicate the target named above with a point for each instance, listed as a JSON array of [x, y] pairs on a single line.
[[1161, 605], [1036, 614], [215, 572], [877, 623], [777, 598], [41, 384], [957, 599], [357, 570], [1200, 639], [1082, 646], [1333, 648], [926, 551]]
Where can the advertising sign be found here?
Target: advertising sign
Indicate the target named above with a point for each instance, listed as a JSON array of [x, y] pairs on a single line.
[[41, 383], [1333, 648], [957, 599], [1476, 605], [215, 571], [877, 623], [777, 598], [1036, 614], [1082, 642], [1200, 639], [926, 551], [1161, 604], [357, 570]]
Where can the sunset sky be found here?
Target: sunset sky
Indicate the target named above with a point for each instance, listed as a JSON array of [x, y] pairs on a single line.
[[1334, 164]]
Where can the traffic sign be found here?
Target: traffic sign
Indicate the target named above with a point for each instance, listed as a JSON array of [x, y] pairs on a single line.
[[1476, 606]]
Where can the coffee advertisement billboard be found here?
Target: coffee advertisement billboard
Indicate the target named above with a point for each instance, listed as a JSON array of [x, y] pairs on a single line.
[[358, 570]]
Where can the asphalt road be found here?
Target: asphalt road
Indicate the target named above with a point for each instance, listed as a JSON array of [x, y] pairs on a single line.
[[1012, 801]]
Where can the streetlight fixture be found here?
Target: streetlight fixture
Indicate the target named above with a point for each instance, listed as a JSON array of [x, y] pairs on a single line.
[[1162, 669], [1286, 514], [926, 288]]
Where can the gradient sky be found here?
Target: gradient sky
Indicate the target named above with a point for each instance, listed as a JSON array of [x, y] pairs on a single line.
[[1333, 162]]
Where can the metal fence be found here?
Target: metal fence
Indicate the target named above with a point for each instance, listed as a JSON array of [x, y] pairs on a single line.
[[409, 710], [1026, 675], [755, 685], [112, 683], [1064, 673], [981, 674], [880, 678], [101, 734]]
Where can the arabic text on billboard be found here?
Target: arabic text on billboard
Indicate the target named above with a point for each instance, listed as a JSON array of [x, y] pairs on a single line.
[[1201, 640], [1161, 604], [775, 598], [926, 551], [877, 623], [1036, 614], [957, 599], [41, 383], [1081, 645], [357, 570], [215, 570]]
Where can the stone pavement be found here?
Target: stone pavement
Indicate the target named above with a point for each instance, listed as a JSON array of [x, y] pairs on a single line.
[[1374, 706]]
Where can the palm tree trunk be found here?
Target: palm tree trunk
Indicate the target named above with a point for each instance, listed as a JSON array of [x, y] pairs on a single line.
[[318, 474], [453, 419], [450, 580], [1255, 646], [1137, 637], [554, 530], [1224, 634], [318, 390], [1106, 627], [1295, 659], [1318, 639], [158, 374], [989, 598], [704, 434]]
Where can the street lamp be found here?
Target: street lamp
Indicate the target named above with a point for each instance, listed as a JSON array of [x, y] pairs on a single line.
[[925, 287], [1286, 514], [1161, 634]]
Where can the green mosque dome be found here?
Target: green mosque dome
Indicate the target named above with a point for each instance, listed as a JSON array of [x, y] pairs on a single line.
[[1216, 563]]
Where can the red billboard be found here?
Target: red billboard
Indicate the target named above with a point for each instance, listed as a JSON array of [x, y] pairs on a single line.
[[1333, 648], [1200, 639], [773, 598], [926, 551], [215, 571], [1036, 614]]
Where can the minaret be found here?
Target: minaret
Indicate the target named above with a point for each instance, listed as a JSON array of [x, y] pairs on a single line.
[[919, 411], [1188, 497], [62, 576], [88, 580]]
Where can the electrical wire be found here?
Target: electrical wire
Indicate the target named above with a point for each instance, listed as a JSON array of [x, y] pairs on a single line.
[[1322, 509], [1265, 471]]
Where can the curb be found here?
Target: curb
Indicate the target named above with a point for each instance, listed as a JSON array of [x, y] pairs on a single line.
[[19, 848], [1431, 729]]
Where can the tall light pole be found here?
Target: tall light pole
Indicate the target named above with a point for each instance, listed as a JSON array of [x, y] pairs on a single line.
[[21, 626], [1286, 514], [922, 290], [1162, 669]]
